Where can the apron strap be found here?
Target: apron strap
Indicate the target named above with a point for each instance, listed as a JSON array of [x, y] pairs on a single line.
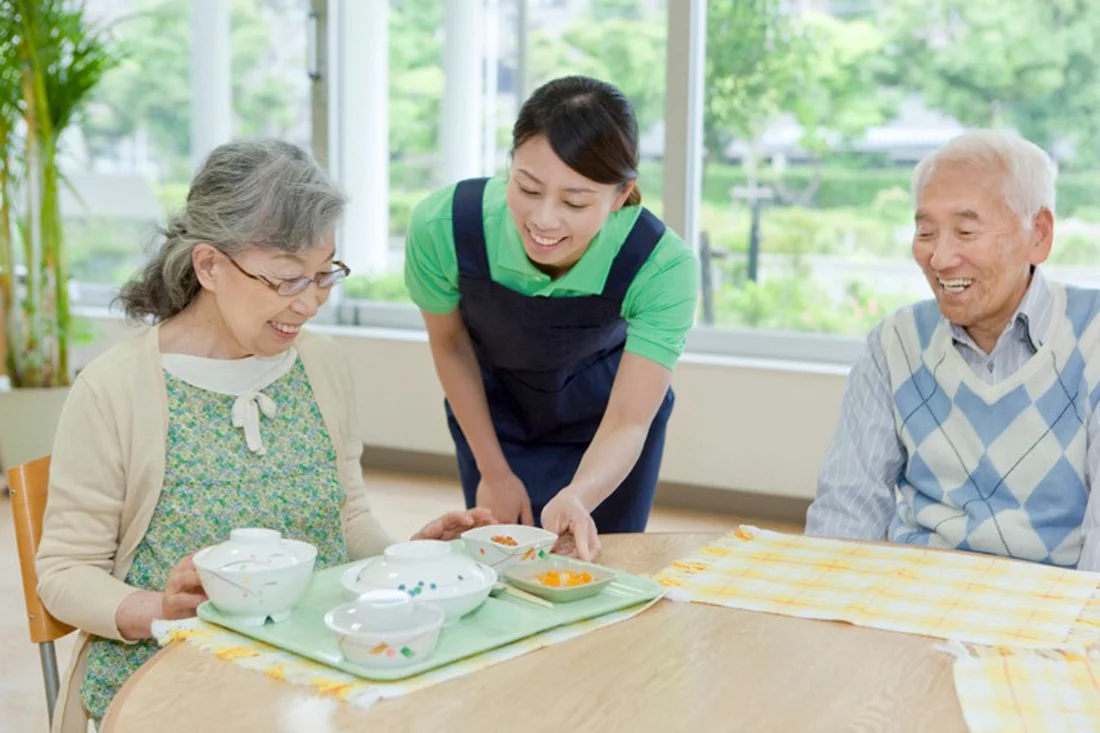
[[637, 248], [469, 227]]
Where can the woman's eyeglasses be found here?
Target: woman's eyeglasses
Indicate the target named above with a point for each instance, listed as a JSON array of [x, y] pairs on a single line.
[[295, 285]]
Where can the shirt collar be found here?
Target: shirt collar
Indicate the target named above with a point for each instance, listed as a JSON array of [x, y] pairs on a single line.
[[1031, 321]]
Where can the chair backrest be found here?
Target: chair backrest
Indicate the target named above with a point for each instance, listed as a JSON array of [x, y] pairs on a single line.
[[29, 484]]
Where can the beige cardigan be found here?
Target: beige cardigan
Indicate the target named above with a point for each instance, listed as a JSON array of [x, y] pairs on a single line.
[[106, 476]]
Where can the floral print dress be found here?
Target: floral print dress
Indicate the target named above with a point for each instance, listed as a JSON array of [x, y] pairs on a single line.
[[254, 457]]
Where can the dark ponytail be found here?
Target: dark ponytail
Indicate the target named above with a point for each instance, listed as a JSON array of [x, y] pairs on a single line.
[[589, 124]]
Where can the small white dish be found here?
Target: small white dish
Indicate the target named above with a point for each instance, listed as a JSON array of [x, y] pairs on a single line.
[[502, 546], [529, 577], [426, 569], [256, 574], [386, 629]]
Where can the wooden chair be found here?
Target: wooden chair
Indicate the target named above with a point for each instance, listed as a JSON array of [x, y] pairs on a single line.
[[28, 485]]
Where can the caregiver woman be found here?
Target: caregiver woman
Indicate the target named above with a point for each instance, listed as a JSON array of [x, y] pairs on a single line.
[[557, 308]]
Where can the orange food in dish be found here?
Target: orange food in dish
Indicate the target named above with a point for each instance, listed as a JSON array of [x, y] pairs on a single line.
[[564, 579], [504, 540]]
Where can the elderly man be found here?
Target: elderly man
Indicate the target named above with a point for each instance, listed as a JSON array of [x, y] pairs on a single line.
[[970, 421]]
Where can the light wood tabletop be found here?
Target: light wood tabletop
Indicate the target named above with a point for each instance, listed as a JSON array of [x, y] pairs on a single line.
[[675, 667]]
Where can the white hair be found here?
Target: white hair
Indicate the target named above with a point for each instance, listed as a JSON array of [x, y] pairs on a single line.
[[1029, 172]]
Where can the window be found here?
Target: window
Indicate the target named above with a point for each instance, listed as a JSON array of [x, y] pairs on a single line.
[[130, 161], [815, 114], [516, 49]]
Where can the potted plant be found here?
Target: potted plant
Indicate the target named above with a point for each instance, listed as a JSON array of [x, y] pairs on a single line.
[[51, 58]]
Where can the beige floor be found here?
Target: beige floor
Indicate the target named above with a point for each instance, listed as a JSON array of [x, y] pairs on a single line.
[[404, 504]]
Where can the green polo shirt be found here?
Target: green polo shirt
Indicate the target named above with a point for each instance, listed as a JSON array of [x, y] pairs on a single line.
[[659, 306]]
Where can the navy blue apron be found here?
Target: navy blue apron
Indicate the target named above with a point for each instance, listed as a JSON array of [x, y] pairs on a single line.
[[548, 365]]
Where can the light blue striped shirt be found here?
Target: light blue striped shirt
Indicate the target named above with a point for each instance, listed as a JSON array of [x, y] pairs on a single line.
[[856, 496]]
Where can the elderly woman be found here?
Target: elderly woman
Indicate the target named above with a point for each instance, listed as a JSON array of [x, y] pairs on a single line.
[[224, 414]]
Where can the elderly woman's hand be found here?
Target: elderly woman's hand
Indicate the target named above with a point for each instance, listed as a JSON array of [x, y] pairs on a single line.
[[451, 525], [182, 595], [183, 592]]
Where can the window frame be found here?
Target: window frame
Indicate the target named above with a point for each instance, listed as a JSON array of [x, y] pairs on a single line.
[[685, 69]]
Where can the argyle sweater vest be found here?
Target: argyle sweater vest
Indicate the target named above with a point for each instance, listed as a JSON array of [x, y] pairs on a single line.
[[994, 468]]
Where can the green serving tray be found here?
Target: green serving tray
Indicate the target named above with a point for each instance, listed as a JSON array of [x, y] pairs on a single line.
[[497, 622]]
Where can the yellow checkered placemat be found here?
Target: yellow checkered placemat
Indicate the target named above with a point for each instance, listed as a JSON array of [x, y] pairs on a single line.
[[963, 596], [1085, 633], [327, 681], [1002, 690]]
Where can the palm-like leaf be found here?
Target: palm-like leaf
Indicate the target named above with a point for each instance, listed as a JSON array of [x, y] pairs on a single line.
[[49, 66], [10, 94]]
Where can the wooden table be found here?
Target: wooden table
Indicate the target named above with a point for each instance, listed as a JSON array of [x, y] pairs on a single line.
[[676, 667]]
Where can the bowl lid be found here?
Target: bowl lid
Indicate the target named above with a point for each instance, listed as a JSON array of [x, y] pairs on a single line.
[[251, 549], [381, 611], [421, 568]]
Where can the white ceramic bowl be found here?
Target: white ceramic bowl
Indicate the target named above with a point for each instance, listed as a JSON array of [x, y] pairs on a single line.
[[256, 574], [386, 629], [492, 544], [425, 569]]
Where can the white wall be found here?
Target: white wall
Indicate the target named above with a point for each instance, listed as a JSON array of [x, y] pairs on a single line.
[[753, 426]]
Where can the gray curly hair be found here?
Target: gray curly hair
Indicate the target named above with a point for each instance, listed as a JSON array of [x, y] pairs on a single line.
[[265, 193]]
